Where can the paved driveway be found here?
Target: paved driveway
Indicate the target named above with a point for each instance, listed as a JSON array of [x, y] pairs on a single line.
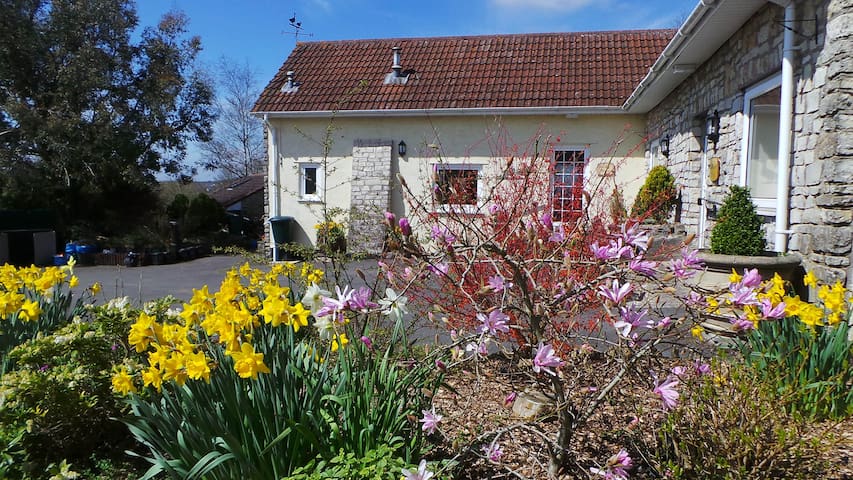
[[142, 284]]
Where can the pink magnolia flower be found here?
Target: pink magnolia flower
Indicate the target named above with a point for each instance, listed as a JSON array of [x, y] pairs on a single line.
[[440, 269], [547, 221], [663, 323], [405, 227], [421, 474], [741, 324], [390, 219], [751, 278], [510, 398], [616, 467], [644, 267], [686, 266], [440, 365], [430, 420], [629, 318], [360, 299], [614, 250], [367, 342], [616, 293], [632, 235], [558, 235], [442, 235], [498, 283], [667, 392], [493, 323], [493, 452], [769, 311], [494, 208], [334, 306], [697, 299], [479, 348], [701, 368], [744, 296], [545, 359]]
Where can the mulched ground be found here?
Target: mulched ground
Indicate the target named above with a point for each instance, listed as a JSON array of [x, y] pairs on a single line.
[[475, 411]]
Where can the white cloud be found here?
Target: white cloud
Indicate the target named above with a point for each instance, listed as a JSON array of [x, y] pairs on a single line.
[[323, 4], [557, 5]]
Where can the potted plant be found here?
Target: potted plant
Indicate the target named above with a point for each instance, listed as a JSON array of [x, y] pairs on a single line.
[[737, 243], [656, 197], [331, 237]]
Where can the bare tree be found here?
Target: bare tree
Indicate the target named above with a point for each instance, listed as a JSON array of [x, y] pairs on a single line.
[[237, 147]]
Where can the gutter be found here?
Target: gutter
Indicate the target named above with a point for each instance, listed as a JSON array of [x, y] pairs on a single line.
[[786, 114], [672, 50], [421, 112], [274, 183]]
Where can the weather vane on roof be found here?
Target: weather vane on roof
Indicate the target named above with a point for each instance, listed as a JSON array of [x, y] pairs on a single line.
[[297, 28]]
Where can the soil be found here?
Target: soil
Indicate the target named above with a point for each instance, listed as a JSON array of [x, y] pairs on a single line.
[[475, 412]]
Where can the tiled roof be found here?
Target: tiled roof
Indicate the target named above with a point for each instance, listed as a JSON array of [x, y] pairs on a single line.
[[587, 69], [238, 189]]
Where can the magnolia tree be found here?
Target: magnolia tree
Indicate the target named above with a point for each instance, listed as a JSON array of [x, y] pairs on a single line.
[[548, 284]]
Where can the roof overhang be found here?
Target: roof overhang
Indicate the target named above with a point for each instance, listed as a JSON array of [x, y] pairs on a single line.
[[569, 112], [707, 28]]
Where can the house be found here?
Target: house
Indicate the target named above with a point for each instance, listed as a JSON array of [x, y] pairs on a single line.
[[760, 94], [243, 198], [343, 118], [746, 92]]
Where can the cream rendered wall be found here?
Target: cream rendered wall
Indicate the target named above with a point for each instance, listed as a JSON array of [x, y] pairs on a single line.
[[615, 146]]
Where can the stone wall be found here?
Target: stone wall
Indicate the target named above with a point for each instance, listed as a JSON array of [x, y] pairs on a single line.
[[370, 194], [821, 171]]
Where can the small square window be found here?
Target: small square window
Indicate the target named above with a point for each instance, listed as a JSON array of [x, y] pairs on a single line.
[[310, 181], [456, 185]]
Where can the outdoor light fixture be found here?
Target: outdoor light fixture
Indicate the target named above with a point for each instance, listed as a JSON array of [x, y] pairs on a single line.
[[713, 125], [664, 146], [401, 148]]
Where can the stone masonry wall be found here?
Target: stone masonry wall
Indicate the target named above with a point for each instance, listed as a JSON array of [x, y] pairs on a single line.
[[370, 194], [821, 172]]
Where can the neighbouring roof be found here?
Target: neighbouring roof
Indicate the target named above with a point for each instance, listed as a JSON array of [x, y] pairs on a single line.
[[239, 189], [524, 71]]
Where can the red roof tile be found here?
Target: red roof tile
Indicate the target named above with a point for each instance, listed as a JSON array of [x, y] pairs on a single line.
[[496, 71]]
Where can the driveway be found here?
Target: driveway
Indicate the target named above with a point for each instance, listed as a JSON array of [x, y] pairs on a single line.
[[142, 284]]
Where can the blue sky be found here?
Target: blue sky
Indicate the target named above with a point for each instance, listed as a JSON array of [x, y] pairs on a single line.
[[258, 31]]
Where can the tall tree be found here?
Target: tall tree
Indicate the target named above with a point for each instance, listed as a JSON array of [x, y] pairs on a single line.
[[237, 148], [87, 117]]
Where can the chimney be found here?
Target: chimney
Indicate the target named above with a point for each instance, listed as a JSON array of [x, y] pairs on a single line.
[[398, 69], [289, 84]]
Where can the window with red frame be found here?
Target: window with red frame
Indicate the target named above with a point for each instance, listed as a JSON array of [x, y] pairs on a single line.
[[567, 194], [456, 184]]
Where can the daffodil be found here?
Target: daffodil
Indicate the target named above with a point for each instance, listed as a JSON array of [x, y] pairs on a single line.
[[810, 280], [123, 382], [247, 363], [30, 311]]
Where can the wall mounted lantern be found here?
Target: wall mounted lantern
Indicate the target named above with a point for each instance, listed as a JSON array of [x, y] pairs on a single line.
[[664, 146], [713, 125], [401, 148]]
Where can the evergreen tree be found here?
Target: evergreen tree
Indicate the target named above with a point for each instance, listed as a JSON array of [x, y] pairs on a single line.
[[88, 117]]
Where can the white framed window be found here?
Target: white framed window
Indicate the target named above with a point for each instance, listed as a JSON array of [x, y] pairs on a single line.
[[567, 183], [457, 187], [310, 182], [759, 155], [654, 155]]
